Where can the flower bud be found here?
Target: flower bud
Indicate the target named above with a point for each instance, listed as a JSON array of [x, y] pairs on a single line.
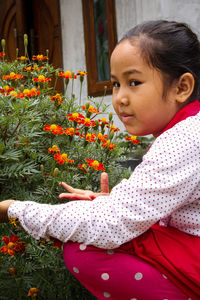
[[110, 116], [17, 52], [111, 135], [3, 43], [87, 105], [25, 42], [21, 87], [97, 122], [42, 168], [56, 172]]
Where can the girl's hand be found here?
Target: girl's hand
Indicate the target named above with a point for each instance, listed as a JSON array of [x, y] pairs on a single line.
[[78, 194], [4, 209]]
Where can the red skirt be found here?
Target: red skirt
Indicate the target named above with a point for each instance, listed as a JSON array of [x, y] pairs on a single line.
[[174, 253]]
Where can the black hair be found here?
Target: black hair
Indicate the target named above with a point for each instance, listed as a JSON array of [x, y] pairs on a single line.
[[176, 51]]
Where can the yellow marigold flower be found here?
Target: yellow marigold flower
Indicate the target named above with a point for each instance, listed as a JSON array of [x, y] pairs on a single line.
[[92, 109], [41, 77], [100, 135], [53, 127], [6, 87], [64, 156], [75, 115], [26, 91], [95, 164], [55, 148], [103, 120], [13, 94], [22, 58], [133, 137]]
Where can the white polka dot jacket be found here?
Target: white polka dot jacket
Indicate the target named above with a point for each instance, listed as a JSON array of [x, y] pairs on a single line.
[[164, 188]]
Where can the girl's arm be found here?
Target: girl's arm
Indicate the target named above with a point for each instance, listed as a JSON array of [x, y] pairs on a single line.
[[165, 185]]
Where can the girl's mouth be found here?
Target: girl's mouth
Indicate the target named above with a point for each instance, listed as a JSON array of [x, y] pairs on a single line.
[[126, 118]]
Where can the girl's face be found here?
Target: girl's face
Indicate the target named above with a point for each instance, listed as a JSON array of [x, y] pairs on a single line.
[[138, 92]]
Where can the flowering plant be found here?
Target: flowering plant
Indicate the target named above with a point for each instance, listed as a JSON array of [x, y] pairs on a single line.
[[45, 138]]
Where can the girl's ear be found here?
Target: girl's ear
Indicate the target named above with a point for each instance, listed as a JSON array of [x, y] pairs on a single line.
[[184, 87]]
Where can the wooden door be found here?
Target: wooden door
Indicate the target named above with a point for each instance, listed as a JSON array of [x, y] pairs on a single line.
[[40, 19]]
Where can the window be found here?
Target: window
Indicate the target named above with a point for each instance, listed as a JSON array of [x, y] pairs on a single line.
[[100, 40]]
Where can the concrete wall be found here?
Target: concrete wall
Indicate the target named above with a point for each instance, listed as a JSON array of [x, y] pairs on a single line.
[[128, 14]]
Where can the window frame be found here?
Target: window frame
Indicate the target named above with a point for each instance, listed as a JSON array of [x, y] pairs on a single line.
[[95, 87]]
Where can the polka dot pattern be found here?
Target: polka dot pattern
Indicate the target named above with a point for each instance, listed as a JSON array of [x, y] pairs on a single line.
[[164, 187], [105, 276], [75, 270], [138, 276], [106, 295], [120, 276]]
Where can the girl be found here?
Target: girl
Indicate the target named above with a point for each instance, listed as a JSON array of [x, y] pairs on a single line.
[[141, 241]]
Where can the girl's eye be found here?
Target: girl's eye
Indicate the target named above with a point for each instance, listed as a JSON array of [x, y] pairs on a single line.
[[115, 84], [134, 83]]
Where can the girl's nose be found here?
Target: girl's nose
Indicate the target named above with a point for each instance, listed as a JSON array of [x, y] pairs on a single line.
[[124, 100], [122, 96]]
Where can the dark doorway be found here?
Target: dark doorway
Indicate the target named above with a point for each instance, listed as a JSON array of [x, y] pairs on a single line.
[[40, 19]]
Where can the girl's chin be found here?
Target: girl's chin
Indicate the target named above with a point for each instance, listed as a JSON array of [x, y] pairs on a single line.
[[135, 131]]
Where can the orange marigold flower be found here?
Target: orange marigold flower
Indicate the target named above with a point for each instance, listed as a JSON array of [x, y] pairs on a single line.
[[33, 292], [106, 143], [12, 245], [41, 78], [70, 131], [103, 120], [90, 137], [22, 58], [133, 139], [56, 129], [83, 167], [95, 164], [13, 271], [57, 98], [29, 69], [62, 158], [39, 57], [66, 74], [53, 149], [81, 73], [102, 137], [113, 128], [75, 117], [88, 122], [46, 127], [31, 93], [91, 109], [111, 146], [12, 76]]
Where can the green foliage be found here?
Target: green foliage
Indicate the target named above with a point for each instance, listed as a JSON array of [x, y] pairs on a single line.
[[34, 119]]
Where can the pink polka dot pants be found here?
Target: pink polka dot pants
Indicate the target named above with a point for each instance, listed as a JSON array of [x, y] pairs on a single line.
[[117, 275]]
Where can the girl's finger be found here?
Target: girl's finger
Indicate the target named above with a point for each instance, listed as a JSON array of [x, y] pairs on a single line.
[[104, 183], [74, 196], [70, 189]]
